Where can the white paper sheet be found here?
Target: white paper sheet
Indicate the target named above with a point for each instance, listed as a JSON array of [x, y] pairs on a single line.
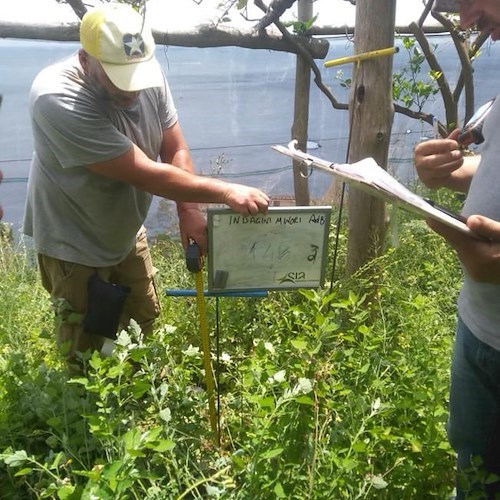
[[368, 176]]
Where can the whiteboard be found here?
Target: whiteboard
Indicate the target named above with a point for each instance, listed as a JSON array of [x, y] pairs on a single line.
[[283, 249]]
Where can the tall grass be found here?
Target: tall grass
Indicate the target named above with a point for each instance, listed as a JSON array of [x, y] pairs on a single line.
[[323, 395]]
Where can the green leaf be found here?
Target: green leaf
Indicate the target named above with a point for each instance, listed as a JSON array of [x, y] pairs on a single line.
[[65, 492], [305, 385], [111, 471], [304, 400], [300, 344], [379, 483], [15, 459], [139, 353], [57, 460], [54, 421], [161, 446], [349, 464], [272, 453], [279, 491], [165, 415], [24, 472], [140, 387], [364, 368], [266, 402], [359, 447], [491, 478], [116, 370], [416, 445], [79, 380], [279, 376], [132, 439], [152, 434]]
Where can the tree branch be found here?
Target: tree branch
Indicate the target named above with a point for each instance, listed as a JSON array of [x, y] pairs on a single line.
[[305, 54], [273, 13], [202, 36], [60, 33], [466, 78], [425, 13], [211, 36], [417, 115], [448, 98], [78, 7]]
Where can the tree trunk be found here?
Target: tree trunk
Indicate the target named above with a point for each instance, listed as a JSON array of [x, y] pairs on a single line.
[[301, 113], [371, 115]]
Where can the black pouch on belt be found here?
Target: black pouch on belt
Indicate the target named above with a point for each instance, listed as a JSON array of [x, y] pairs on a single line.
[[105, 306]]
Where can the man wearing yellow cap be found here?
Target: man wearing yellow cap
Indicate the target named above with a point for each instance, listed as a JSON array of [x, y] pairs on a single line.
[[106, 139], [474, 422]]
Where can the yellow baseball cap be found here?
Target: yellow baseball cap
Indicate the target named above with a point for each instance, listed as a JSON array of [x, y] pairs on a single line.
[[120, 39]]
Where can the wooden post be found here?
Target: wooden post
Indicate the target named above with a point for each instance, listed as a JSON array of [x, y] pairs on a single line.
[[371, 114], [301, 112]]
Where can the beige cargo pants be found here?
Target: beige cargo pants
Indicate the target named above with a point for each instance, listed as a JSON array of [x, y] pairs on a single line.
[[67, 284]]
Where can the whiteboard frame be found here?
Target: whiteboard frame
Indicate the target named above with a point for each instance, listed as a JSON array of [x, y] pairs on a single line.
[[220, 281]]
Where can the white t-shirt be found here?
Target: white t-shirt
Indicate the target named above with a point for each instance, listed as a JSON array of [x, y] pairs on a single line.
[[72, 213]]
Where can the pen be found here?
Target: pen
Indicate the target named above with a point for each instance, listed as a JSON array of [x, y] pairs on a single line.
[[435, 125], [458, 217]]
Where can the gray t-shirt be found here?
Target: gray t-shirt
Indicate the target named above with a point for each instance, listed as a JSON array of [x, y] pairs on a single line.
[[479, 303], [71, 213]]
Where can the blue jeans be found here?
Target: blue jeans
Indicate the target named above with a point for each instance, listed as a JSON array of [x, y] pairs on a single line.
[[474, 423]]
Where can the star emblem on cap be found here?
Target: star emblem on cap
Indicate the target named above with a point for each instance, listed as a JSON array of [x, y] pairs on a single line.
[[133, 45]]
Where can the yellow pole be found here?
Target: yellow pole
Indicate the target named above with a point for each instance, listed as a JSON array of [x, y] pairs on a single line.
[[207, 362], [194, 264], [361, 57]]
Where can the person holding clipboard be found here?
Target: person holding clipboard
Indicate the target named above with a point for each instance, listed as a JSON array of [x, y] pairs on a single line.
[[474, 420]]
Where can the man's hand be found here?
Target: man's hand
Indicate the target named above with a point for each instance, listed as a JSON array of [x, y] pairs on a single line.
[[480, 256], [437, 161], [192, 225], [246, 200]]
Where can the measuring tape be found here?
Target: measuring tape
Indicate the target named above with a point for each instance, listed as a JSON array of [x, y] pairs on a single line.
[[194, 264]]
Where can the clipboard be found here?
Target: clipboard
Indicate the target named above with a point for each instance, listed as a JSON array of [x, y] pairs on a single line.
[[368, 176], [283, 249]]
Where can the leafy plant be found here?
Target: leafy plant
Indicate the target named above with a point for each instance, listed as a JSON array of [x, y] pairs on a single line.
[[408, 88], [301, 27], [331, 393]]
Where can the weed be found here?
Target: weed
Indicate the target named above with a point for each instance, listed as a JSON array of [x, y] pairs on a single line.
[[334, 393]]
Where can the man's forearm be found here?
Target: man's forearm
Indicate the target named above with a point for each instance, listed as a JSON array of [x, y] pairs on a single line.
[[183, 160]]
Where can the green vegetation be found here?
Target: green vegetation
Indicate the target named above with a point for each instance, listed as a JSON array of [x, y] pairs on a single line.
[[323, 394], [408, 87]]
